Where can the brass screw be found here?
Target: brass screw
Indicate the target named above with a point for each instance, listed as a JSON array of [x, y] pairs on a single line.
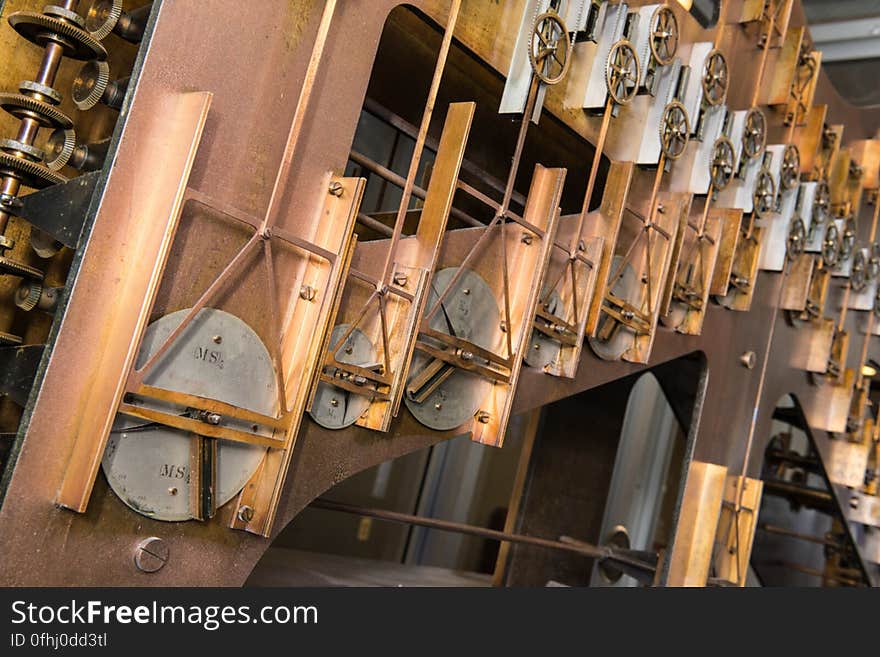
[[400, 279], [245, 513], [218, 339], [526, 238], [151, 555], [483, 417], [748, 360], [336, 189], [307, 292]]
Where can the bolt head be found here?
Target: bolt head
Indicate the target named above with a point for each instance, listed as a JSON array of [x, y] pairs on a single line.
[[245, 513], [151, 555]]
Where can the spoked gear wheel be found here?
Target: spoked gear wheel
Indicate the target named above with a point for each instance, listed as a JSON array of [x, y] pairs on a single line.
[[622, 71], [675, 130], [723, 162], [716, 77], [754, 133], [858, 276], [664, 35], [790, 174], [848, 239], [873, 269], [797, 238], [765, 193], [831, 245], [549, 48], [821, 203]]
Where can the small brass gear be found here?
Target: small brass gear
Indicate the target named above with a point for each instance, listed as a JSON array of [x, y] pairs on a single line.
[[675, 130], [831, 245], [15, 268], [41, 29], [60, 147], [27, 296], [549, 48], [25, 107], [858, 276], [716, 77], [90, 84], [797, 238], [790, 174], [754, 133], [102, 17], [622, 71], [723, 162], [765, 193], [9, 340], [31, 174], [664, 35]]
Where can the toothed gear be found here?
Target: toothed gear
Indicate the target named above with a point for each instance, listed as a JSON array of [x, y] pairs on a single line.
[[65, 15], [102, 17], [549, 43], [30, 87], [754, 133], [27, 296], [60, 147], [31, 174], [664, 35], [791, 168], [765, 193], [722, 165], [797, 239], [90, 84], [15, 268], [13, 146], [858, 276], [41, 29], [716, 77], [675, 129], [622, 72], [831, 245], [25, 107], [7, 339]]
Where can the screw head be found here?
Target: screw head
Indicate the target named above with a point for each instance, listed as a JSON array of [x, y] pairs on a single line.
[[245, 513], [151, 555], [307, 292], [218, 339], [335, 189], [483, 417], [526, 238], [748, 360]]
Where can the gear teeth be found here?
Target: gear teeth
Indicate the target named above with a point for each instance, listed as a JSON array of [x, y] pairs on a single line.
[[16, 268], [13, 146], [30, 87], [90, 84], [28, 295], [21, 106], [31, 174], [40, 29], [61, 144], [66, 15], [9, 340], [102, 17]]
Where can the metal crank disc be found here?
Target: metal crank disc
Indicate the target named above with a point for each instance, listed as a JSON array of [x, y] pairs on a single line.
[[544, 350], [220, 357], [628, 289], [335, 408], [469, 312]]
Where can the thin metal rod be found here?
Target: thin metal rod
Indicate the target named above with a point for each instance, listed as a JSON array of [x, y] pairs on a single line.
[[765, 50], [584, 549], [594, 170], [299, 114], [783, 531], [420, 140], [412, 131]]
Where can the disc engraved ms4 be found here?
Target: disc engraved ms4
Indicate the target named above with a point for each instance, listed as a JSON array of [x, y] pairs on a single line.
[[219, 357]]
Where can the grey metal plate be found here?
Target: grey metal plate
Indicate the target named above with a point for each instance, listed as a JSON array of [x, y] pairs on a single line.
[[147, 466], [469, 312], [542, 349], [335, 408], [627, 288]]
